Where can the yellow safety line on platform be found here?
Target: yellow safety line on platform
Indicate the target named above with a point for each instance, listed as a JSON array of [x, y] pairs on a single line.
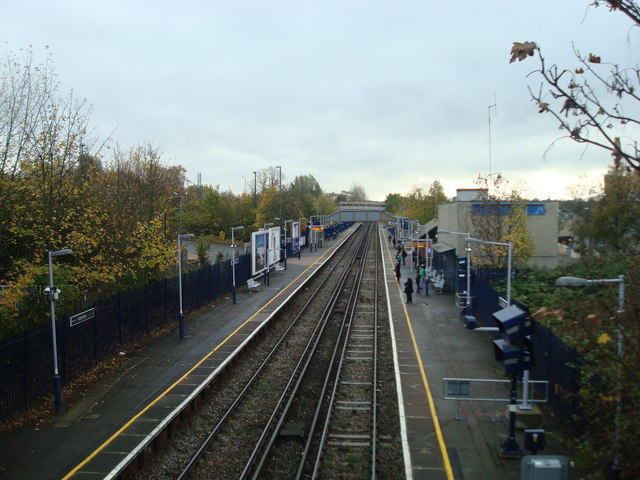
[[432, 406], [168, 390]]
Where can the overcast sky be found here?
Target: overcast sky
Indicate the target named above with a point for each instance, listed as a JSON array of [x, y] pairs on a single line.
[[385, 93]]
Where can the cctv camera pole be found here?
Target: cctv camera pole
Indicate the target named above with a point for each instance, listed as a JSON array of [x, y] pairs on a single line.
[[57, 384]]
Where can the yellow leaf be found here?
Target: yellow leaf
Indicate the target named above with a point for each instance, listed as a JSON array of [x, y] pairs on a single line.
[[604, 338]]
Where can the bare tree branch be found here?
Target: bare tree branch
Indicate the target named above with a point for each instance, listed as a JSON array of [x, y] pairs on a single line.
[[588, 103]]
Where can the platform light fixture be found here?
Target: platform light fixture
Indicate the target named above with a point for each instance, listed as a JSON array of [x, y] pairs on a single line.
[[233, 261], [53, 297], [280, 190], [299, 232]]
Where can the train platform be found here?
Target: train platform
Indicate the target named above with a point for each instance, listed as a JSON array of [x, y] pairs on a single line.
[[430, 344], [433, 345], [76, 444]]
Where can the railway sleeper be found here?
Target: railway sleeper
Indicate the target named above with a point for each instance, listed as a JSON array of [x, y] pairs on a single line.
[[348, 444], [356, 406]]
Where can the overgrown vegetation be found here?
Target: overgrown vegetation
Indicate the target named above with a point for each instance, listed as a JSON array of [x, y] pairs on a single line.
[[587, 319], [119, 210]]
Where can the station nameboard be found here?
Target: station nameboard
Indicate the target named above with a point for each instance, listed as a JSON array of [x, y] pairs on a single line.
[[82, 317]]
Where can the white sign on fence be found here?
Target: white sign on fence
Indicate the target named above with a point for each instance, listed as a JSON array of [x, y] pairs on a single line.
[[82, 317]]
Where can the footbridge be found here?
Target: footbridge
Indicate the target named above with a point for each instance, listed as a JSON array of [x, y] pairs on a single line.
[[360, 212]]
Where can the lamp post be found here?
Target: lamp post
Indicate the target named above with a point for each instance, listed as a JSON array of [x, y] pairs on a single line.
[[414, 242], [467, 303], [53, 296], [299, 232], [181, 314], [279, 191], [233, 261], [255, 189], [181, 197], [616, 468], [313, 233]]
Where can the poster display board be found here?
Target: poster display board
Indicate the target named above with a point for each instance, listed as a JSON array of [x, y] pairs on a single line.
[[273, 246], [295, 237], [259, 249]]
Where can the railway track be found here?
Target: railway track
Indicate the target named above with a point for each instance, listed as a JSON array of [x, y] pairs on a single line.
[[348, 441], [292, 450], [304, 402]]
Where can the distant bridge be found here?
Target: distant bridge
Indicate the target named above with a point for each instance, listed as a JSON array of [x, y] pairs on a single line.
[[360, 212]]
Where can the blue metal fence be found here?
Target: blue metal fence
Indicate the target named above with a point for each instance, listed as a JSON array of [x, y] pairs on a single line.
[[553, 360], [26, 363]]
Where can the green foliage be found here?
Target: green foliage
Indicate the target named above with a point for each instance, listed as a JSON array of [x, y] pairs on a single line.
[[495, 224], [615, 225], [421, 203], [202, 250], [587, 319], [393, 203]]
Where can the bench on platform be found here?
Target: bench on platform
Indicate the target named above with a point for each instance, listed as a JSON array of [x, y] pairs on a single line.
[[280, 270], [438, 283], [253, 285]]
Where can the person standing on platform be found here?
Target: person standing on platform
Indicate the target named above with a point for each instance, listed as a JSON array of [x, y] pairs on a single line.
[[404, 257], [390, 239], [418, 282], [397, 270], [422, 274], [408, 289]]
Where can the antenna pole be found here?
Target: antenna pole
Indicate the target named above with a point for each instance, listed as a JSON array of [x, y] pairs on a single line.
[[495, 107]]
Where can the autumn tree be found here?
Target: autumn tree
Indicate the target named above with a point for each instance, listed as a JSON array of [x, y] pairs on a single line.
[[421, 203], [594, 103], [41, 134], [357, 193], [268, 208], [324, 205], [59, 193], [299, 197], [500, 217], [613, 224], [392, 203]]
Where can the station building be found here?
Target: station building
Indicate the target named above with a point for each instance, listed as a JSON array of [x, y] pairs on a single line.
[[542, 222]]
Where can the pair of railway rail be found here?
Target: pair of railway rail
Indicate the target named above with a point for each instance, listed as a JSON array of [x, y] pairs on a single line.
[[318, 418]]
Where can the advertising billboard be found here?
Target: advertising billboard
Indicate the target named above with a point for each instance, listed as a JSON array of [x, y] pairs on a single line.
[[273, 246], [259, 245], [295, 237]]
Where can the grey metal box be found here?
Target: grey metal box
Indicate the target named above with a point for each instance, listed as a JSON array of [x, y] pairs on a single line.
[[543, 467]]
